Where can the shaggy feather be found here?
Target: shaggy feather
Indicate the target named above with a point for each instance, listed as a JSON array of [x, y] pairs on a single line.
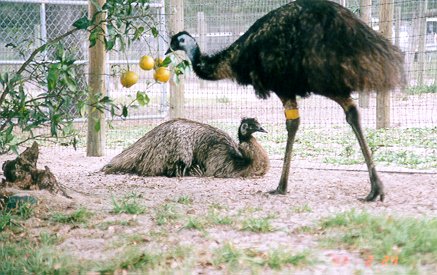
[[306, 46]]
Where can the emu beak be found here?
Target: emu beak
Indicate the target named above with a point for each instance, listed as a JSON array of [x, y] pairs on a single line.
[[262, 130]]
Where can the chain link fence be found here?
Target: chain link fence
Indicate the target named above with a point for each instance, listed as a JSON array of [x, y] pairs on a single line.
[[223, 103]]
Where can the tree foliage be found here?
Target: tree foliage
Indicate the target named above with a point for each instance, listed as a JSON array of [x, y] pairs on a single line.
[[44, 92]]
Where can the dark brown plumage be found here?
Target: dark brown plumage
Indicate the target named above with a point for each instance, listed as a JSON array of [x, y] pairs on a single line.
[[304, 47], [182, 147]]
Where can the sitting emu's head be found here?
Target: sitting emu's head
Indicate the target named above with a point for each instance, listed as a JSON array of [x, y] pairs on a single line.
[[248, 126]]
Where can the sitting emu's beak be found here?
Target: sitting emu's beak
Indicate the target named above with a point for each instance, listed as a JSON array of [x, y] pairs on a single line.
[[262, 130]]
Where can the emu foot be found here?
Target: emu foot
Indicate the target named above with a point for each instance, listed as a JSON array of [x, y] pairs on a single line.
[[377, 189], [373, 195], [277, 191]]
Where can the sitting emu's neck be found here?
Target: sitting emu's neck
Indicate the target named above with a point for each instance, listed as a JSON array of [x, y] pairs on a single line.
[[256, 158]]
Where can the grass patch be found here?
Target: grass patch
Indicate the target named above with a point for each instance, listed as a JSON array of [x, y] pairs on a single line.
[[227, 254], [421, 89], [9, 218], [136, 259], [194, 223], [166, 213], [36, 256], [257, 225], [6, 220], [276, 259], [79, 216], [302, 209], [412, 241], [186, 200], [216, 218], [129, 204], [279, 258]]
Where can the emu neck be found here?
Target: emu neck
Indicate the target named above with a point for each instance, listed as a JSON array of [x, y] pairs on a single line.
[[210, 67], [255, 157], [245, 138]]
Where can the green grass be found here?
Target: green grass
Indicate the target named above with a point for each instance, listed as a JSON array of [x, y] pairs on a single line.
[[413, 241], [137, 259], [257, 225], [215, 217], [277, 259], [302, 209], [421, 89], [6, 220], [35, 256], [194, 223], [186, 200], [166, 214], [79, 216], [227, 254], [129, 204], [9, 218]]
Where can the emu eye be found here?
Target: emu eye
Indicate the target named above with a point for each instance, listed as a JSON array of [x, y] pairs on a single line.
[[181, 40]]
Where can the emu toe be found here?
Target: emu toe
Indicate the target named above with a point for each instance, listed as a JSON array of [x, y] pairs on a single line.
[[373, 195], [277, 191], [377, 189]]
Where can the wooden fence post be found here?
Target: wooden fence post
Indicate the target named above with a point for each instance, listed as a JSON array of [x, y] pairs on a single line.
[[421, 33], [383, 97], [176, 24], [366, 16], [201, 30], [96, 83]]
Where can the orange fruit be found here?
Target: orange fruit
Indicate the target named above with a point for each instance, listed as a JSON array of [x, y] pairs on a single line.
[[147, 63], [128, 78], [162, 74]]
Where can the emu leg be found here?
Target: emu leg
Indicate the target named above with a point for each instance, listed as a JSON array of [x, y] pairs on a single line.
[[352, 117], [292, 124]]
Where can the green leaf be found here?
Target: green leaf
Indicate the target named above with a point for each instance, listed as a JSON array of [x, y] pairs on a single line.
[[138, 32], [82, 23], [52, 77], [94, 35], [155, 32], [142, 98], [166, 62], [125, 111], [71, 84], [109, 44]]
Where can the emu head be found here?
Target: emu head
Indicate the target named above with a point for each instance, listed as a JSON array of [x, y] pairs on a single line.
[[183, 41], [248, 126]]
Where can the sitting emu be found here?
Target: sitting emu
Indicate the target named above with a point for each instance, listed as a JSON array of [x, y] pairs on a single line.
[[182, 147], [304, 47]]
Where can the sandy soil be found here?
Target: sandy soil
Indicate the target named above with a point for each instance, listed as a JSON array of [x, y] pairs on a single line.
[[325, 192]]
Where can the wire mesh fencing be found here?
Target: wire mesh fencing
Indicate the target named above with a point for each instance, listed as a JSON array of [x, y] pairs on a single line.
[[324, 137]]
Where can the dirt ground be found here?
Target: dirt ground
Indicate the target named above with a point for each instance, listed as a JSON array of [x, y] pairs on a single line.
[[325, 192]]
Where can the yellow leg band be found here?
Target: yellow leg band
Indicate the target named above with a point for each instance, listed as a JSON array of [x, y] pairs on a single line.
[[292, 113]]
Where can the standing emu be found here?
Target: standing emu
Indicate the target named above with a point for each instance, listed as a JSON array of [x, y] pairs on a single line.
[[304, 47], [182, 147]]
